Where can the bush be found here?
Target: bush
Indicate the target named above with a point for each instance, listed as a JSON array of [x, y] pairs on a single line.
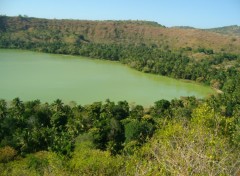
[[7, 154], [40, 163], [89, 161]]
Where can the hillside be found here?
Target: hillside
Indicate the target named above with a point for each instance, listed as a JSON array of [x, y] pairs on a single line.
[[24, 29], [233, 31]]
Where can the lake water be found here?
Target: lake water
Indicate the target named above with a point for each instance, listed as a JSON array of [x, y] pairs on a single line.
[[47, 77]]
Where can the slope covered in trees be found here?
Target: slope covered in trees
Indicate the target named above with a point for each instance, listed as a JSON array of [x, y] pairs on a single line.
[[178, 137]]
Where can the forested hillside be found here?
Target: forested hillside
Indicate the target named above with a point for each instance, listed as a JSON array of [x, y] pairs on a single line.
[[186, 136], [26, 31]]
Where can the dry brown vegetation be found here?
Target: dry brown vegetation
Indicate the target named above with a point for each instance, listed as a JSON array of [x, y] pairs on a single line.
[[129, 32]]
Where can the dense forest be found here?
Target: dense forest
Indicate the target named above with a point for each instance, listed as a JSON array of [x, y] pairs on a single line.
[[186, 136]]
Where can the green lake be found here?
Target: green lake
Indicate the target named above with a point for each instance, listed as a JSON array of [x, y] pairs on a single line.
[[47, 77]]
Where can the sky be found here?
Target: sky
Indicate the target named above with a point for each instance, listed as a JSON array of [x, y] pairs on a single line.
[[195, 13]]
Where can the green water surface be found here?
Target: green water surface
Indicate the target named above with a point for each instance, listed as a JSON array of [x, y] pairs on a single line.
[[47, 77]]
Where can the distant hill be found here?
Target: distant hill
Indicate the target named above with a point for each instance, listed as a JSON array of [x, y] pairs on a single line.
[[233, 30], [36, 30], [183, 27]]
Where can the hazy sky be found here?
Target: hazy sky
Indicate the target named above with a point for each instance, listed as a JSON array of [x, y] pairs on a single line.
[[196, 13]]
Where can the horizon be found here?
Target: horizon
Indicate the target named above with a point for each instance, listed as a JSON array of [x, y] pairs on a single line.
[[202, 14]]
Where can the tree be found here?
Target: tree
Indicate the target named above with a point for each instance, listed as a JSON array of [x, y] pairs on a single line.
[[161, 108], [59, 116], [138, 131]]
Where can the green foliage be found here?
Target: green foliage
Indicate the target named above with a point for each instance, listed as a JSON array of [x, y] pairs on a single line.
[[138, 130], [161, 108], [37, 164], [89, 161], [41, 163], [193, 137], [204, 50]]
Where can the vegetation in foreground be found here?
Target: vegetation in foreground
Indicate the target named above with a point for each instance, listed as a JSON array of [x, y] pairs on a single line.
[[179, 137]]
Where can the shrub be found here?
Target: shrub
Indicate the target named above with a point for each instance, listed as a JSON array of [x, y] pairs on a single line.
[[7, 154]]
